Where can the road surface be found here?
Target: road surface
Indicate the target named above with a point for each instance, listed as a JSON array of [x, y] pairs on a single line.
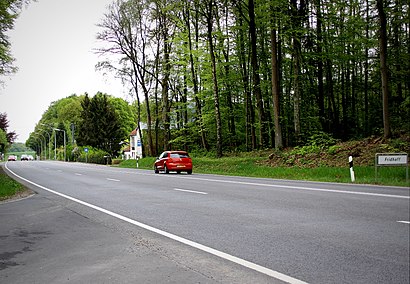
[[210, 229]]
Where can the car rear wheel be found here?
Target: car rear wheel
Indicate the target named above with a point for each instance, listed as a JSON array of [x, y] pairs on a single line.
[[166, 169], [189, 172], [156, 170]]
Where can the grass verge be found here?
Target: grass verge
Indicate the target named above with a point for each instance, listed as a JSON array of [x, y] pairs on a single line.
[[8, 186], [255, 167]]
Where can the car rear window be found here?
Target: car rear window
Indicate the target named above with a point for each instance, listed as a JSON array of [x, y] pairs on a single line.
[[179, 155]]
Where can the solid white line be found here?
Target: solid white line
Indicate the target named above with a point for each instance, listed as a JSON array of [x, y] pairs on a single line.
[[404, 222], [302, 188], [112, 179], [191, 191], [237, 260]]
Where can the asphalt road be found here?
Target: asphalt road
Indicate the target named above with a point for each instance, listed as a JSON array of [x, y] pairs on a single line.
[[127, 225]]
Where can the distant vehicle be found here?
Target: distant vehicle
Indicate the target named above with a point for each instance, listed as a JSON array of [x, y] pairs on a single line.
[[24, 157], [30, 157], [12, 158], [178, 161]]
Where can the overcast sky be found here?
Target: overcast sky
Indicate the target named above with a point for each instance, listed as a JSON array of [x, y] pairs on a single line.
[[53, 42]]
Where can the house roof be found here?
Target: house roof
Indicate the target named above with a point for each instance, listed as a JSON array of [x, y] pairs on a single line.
[[134, 132]]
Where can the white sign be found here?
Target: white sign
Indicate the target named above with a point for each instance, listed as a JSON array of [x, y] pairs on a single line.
[[392, 159]]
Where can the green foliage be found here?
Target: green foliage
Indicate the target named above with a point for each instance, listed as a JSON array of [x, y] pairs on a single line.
[[304, 150], [8, 186], [100, 127], [322, 139], [3, 141], [335, 69], [113, 118], [4, 124], [333, 149], [19, 147], [94, 155], [316, 143], [8, 14]]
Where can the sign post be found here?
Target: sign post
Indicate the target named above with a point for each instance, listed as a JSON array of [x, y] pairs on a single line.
[[391, 159], [86, 154], [352, 177]]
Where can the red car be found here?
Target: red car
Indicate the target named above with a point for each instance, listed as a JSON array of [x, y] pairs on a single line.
[[12, 158], [178, 161]]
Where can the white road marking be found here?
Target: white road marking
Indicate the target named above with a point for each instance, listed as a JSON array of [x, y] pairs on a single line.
[[237, 260], [113, 179], [191, 191], [77, 174], [301, 187], [404, 222]]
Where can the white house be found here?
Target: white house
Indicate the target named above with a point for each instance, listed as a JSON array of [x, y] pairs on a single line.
[[135, 148]]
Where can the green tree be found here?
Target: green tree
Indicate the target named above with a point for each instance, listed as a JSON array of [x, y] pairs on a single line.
[[9, 11], [127, 28], [4, 124], [100, 126], [3, 141], [324, 72]]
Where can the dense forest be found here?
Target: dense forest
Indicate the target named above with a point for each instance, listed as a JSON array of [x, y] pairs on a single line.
[[244, 75], [233, 75]]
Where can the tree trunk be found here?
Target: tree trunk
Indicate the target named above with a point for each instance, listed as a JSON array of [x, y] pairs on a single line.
[[215, 82], [275, 91], [165, 89], [297, 15], [255, 75], [321, 96], [249, 109], [383, 67], [199, 118]]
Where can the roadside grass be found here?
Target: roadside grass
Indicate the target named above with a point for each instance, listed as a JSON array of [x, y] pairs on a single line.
[[254, 167], [8, 186]]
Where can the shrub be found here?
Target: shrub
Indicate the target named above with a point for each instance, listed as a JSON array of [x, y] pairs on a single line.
[[322, 139], [333, 149], [95, 156]]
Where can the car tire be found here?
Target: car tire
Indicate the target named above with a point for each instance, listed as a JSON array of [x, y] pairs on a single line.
[[166, 169], [189, 172], [156, 170]]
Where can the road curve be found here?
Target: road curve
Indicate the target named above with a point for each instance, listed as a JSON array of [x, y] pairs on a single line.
[[290, 231]]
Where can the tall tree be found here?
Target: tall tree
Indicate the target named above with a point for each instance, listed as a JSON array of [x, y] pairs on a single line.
[[209, 21], [275, 85], [298, 13], [256, 80], [192, 63], [383, 67], [126, 28]]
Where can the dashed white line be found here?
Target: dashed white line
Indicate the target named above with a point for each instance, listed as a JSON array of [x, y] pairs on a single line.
[[404, 222], [237, 260], [78, 174], [190, 191], [113, 179], [300, 187]]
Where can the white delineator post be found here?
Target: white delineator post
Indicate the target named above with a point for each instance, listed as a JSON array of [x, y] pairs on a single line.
[[351, 168]]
